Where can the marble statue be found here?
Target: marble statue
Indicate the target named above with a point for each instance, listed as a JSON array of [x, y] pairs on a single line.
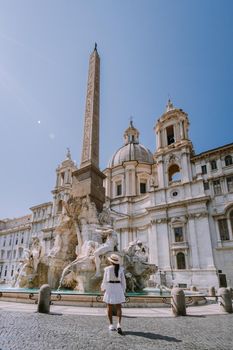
[[28, 268], [137, 267], [109, 245]]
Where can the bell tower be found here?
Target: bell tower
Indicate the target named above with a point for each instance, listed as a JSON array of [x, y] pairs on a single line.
[[174, 149], [172, 128]]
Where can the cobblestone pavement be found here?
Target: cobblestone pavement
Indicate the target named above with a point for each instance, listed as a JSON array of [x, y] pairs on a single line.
[[30, 330]]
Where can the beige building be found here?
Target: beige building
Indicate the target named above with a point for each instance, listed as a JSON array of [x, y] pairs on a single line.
[[14, 238]]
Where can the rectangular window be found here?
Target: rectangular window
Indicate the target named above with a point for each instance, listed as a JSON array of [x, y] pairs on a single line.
[[203, 169], [178, 231], [8, 254], [206, 186], [142, 187], [223, 230], [217, 187], [118, 189], [213, 164], [230, 183]]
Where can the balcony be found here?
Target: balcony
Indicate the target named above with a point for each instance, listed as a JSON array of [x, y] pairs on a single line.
[[179, 245]]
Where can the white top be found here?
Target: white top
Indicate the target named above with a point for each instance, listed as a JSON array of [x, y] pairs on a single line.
[[109, 275]]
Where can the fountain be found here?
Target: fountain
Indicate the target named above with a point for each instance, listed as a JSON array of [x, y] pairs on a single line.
[[83, 241]]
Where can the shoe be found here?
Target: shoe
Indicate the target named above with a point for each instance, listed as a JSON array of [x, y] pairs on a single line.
[[119, 330], [111, 327]]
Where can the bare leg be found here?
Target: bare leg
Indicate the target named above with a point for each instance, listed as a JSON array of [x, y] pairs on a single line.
[[119, 313], [109, 309]]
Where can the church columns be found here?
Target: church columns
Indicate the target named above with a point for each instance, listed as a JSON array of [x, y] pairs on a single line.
[[161, 179], [153, 244], [163, 244], [176, 132], [193, 244], [205, 244], [130, 178], [200, 241], [181, 124], [107, 183], [127, 183], [158, 140], [186, 167]]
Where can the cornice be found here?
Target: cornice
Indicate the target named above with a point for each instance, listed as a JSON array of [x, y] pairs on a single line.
[[180, 203], [218, 150], [15, 229], [46, 204]]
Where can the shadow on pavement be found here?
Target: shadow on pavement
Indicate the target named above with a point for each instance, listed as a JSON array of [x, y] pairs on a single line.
[[202, 316], [150, 335], [45, 313]]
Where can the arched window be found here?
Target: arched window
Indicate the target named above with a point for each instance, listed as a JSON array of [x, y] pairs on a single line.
[[59, 207], [181, 261], [174, 173], [228, 160]]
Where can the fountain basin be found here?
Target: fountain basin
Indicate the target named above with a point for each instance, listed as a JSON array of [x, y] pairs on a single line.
[[146, 298]]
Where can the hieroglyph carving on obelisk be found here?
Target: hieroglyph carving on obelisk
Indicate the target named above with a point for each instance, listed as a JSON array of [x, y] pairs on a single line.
[[90, 151]]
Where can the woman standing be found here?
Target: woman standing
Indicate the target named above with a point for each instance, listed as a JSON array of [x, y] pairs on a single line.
[[114, 286]]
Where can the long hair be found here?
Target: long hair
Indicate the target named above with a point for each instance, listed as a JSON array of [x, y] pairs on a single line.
[[116, 269]]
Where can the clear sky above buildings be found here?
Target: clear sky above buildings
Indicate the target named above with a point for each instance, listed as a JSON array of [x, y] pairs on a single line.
[[149, 49]]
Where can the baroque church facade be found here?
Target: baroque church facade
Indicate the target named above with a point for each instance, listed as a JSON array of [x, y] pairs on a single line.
[[178, 203]]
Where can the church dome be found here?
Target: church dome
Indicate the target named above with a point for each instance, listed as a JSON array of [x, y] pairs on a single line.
[[132, 150]]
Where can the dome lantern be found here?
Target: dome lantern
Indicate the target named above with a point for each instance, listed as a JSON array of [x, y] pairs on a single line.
[[131, 134], [132, 149]]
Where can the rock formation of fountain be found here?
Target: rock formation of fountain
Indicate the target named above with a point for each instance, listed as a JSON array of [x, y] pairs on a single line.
[[83, 241]]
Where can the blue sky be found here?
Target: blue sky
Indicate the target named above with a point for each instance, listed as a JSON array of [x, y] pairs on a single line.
[[149, 49]]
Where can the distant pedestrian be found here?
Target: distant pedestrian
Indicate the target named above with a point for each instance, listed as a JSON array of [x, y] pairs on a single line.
[[114, 286]]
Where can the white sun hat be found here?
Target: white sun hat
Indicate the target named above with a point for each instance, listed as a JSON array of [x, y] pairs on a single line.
[[114, 258]]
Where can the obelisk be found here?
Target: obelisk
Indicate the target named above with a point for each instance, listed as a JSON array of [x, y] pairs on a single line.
[[90, 151], [88, 179]]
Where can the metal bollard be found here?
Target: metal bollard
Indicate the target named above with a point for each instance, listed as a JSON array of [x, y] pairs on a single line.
[[212, 292], [44, 299], [225, 300], [178, 302]]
